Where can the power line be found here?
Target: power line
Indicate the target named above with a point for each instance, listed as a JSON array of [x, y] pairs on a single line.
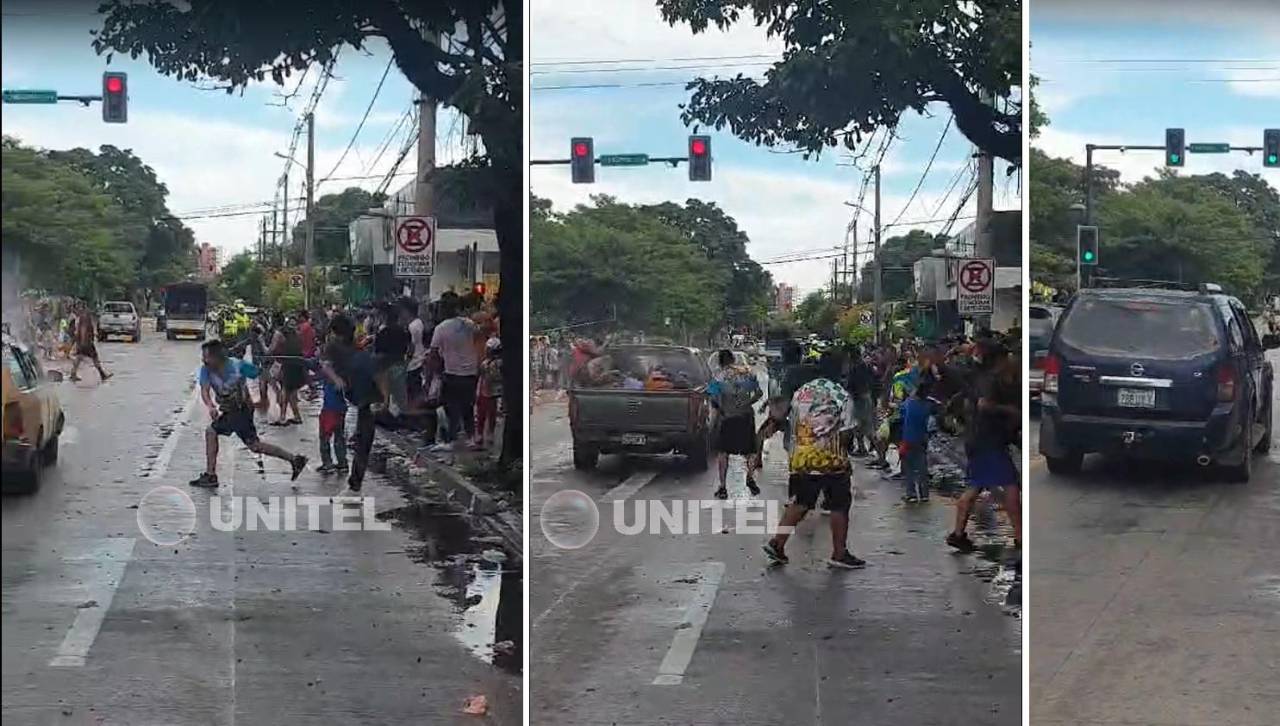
[[590, 61], [925, 175], [360, 126], [652, 69]]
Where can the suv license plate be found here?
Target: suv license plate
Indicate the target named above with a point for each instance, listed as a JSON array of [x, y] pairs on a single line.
[[633, 439], [1137, 397]]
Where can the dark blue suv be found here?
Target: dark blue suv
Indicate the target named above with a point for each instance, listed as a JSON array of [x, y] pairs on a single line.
[[1166, 374]]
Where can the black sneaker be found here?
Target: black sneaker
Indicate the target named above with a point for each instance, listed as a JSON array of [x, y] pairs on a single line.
[[961, 542], [342, 468], [354, 485], [775, 555], [299, 463], [910, 499], [878, 465], [326, 469], [722, 493], [753, 487], [846, 561], [206, 480]]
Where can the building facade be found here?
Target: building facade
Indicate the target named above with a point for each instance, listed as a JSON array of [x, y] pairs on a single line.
[[208, 261]]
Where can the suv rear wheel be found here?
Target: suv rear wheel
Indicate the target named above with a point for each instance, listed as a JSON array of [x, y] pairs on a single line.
[[1242, 472], [585, 459], [1069, 464], [1264, 446]]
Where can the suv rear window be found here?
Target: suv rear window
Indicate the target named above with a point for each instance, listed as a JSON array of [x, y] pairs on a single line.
[[1150, 328], [118, 308], [1038, 313]]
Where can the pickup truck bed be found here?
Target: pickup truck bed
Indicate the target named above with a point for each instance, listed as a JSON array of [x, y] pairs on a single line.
[[611, 421]]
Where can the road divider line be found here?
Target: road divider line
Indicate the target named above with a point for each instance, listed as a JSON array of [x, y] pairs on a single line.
[[171, 444], [689, 632], [628, 488], [112, 558]]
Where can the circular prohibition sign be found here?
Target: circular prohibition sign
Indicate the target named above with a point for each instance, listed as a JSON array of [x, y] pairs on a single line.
[[975, 276], [413, 235]]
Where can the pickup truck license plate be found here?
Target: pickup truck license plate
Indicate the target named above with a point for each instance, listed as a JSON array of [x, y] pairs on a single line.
[[633, 439], [1137, 397]]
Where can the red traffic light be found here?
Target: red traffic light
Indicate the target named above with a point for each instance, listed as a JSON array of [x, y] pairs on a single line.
[[114, 84], [698, 147], [581, 149]]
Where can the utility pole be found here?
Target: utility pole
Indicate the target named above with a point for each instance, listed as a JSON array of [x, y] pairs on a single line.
[[984, 246], [285, 211], [423, 196], [879, 291], [275, 231], [311, 217]]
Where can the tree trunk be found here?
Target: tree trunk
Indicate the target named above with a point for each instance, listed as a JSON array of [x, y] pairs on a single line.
[[508, 225]]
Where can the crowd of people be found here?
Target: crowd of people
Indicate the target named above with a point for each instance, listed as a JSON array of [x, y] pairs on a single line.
[[434, 368], [861, 402]]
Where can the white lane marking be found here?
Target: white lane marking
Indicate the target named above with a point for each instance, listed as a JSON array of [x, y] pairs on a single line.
[[671, 672], [628, 488], [226, 489], [113, 557], [171, 444]]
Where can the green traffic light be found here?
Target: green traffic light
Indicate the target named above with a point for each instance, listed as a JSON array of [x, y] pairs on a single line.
[[1173, 158], [1088, 257], [1272, 159]]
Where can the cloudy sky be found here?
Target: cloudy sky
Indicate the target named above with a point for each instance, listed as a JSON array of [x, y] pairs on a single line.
[[784, 203], [1212, 68], [213, 150]]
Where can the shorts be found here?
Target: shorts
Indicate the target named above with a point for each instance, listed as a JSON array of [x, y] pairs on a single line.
[[737, 435], [836, 490], [88, 350], [238, 422], [991, 468], [331, 420]]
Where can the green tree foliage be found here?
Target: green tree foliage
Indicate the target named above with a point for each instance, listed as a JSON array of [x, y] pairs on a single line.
[[850, 328], [242, 278], [124, 238], [851, 67], [333, 213], [658, 272], [817, 313], [897, 255], [479, 72]]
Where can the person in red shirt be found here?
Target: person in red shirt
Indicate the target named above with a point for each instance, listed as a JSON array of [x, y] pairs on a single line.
[[307, 335]]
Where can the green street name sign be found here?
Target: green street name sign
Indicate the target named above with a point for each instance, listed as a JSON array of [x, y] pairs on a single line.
[[1209, 148], [623, 159], [30, 96]]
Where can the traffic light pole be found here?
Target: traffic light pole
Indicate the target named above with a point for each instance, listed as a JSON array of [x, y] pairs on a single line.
[[1088, 166]]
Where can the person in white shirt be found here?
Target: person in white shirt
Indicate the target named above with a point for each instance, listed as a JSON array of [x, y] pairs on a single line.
[[454, 341]]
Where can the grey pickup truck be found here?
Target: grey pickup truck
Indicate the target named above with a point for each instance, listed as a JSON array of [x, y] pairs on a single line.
[[643, 399]]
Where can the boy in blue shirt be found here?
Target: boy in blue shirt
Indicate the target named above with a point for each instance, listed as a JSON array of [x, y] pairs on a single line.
[[914, 446], [333, 419]]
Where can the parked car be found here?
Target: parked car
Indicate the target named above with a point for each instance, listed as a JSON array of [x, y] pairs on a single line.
[[33, 417], [119, 318], [1162, 374], [611, 418], [1041, 321]]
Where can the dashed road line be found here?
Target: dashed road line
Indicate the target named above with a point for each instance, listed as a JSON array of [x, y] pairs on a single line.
[[689, 632], [112, 557]]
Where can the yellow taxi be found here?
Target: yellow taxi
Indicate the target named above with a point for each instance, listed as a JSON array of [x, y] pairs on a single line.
[[33, 417]]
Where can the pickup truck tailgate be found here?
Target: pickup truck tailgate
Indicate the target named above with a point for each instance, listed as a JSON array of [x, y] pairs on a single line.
[[639, 411]]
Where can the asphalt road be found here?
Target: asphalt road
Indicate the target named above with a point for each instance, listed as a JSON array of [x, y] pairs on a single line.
[[672, 628], [1155, 595], [102, 625]]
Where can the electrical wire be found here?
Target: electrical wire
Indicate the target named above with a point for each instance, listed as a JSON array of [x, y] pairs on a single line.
[[360, 126], [925, 175]]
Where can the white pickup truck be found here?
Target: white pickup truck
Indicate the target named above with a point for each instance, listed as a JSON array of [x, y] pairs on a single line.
[[119, 318]]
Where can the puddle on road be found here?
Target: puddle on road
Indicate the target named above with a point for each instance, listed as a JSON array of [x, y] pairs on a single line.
[[998, 563], [483, 580]]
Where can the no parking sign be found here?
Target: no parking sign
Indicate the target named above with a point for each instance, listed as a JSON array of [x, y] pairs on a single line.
[[976, 286], [415, 246]]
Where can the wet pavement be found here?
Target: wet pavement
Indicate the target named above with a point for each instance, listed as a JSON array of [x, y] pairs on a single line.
[[695, 629], [103, 624], [1155, 595]]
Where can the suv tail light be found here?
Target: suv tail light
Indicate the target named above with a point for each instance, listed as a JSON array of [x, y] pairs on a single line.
[[1052, 367], [13, 423], [1227, 382]]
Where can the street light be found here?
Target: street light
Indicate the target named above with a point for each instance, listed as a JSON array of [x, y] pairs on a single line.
[[291, 160]]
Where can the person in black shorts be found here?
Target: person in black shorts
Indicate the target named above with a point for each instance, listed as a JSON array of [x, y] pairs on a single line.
[[85, 335], [225, 393], [733, 393]]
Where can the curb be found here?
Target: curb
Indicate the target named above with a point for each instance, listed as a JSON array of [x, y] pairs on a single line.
[[451, 487]]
